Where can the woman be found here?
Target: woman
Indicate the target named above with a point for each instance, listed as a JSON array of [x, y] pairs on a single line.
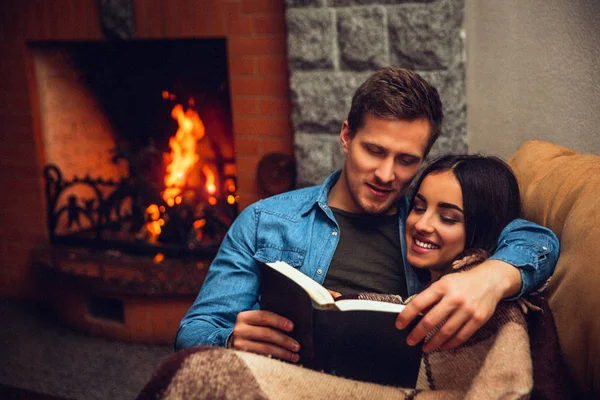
[[460, 205]]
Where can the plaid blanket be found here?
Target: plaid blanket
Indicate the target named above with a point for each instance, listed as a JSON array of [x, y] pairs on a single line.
[[499, 361]]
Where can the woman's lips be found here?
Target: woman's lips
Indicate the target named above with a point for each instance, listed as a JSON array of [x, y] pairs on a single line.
[[422, 246]]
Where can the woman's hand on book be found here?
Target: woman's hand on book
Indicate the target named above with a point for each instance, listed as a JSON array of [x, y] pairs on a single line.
[[262, 332]]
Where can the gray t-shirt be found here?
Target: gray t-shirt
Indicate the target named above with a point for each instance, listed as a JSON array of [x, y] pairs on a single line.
[[368, 257]]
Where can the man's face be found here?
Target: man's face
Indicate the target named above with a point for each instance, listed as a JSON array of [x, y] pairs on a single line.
[[381, 160]]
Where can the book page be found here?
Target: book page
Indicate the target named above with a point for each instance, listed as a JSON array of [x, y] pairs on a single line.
[[368, 305], [317, 292]]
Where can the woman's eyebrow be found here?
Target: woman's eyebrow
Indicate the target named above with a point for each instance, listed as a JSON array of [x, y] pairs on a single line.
[[450, 205]]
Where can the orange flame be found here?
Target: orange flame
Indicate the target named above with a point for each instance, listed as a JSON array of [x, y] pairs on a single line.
[[153, 226], [210, 175], [183, 151]]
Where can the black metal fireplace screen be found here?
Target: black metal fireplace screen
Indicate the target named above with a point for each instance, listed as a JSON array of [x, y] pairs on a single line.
[[124, 215]]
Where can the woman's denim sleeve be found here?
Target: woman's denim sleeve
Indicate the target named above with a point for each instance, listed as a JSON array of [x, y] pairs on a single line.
[[530, 247], [231, 286]]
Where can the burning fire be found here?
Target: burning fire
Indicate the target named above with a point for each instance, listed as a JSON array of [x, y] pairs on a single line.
[[183, 161], [183, 151], [182, 158]]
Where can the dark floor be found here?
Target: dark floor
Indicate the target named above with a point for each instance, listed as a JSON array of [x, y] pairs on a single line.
[[41, 355]]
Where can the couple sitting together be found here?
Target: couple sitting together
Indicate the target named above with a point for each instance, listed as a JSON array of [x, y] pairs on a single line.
[[366, 229]]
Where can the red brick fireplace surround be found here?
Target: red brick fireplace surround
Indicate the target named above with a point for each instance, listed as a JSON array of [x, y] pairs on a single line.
[[258, 79]]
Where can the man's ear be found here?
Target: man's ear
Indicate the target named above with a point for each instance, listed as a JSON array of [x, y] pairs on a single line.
[[345, 136]]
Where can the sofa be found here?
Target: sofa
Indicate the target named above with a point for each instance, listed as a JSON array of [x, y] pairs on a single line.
[[560, 189]]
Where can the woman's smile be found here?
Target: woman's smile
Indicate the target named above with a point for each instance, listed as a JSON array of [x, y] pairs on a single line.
[[435, 228]]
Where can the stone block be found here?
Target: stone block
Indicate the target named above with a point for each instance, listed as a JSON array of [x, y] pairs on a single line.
[[314, 157], [321, 100], [310, 38], [362, 38], [451, 87], [426, 36]]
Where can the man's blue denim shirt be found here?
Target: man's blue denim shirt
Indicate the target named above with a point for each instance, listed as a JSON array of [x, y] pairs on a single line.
[[299, 228]]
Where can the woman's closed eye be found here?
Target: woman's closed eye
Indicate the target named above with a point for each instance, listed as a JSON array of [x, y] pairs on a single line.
[[450, 216], [419, 206], [449, 220]]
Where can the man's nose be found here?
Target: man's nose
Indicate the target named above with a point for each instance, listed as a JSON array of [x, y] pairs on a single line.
[[385, 171]]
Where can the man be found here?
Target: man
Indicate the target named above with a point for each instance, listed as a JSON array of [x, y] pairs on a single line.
[[348, 234]]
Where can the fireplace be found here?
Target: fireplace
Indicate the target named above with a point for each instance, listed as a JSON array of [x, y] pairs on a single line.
[[139, 144], [146, 300], [140, 180]]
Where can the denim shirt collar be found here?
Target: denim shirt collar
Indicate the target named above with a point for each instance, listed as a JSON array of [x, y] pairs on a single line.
[[323, 194]]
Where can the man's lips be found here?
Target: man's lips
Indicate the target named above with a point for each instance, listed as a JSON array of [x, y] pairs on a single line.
[[379, 191]]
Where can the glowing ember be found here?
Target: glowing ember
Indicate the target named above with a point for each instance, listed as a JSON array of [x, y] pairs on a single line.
[[199, 223], [154, 225], [153, 211]]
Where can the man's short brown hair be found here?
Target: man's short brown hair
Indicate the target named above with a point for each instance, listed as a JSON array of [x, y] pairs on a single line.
[[397, 94]]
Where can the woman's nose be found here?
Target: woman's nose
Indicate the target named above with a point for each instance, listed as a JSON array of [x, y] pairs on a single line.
[[424, 223]]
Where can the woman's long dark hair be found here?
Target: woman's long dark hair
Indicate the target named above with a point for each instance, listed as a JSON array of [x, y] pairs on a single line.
[[490, 194]]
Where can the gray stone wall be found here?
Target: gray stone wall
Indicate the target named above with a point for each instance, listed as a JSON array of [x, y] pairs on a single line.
[[334, 45]]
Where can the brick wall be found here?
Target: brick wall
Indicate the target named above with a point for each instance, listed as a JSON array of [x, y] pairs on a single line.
[[256, 41]]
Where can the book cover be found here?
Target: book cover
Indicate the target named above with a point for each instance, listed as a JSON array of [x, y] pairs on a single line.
[[349, 337]]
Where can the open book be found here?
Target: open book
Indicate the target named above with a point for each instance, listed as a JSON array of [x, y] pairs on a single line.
[[353, 338]]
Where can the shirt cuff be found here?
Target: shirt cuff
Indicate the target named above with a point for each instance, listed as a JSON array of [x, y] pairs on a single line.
[[228, 340], [525, 267]]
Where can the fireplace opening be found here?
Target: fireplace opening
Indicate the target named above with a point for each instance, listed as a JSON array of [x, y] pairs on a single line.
[[138, 142]]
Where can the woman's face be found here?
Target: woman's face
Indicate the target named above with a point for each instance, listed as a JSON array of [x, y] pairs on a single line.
[[435, 227]]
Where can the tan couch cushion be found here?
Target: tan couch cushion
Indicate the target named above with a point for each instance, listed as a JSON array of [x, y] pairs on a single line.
[[560, 189]]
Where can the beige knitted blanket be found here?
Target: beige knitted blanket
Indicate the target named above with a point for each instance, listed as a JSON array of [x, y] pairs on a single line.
[[496, 363]]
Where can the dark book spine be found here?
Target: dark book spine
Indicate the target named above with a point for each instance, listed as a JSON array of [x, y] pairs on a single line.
[[284, 297]]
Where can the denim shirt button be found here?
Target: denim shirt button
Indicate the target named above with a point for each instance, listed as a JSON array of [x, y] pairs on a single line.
[[319, 271], [334, 233]]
